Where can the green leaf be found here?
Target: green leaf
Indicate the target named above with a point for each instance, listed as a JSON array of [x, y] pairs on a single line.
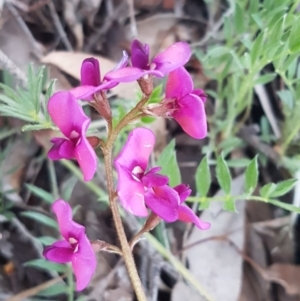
[[46, 240], [251, 176], [229, 204], [33, 127], [285, 206], [44, 264], [204, 203], [294, 40], [223, 175], [239, 18], [287, 98], [43, 194], [267, 189], [168, 161], [257, 48], [283, 188], [203, 177], [276, 32], [264, 79], [41, 218], [54, 290], [156, 95]]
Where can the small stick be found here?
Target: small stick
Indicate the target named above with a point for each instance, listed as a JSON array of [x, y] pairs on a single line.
[[7, 64], [59, 27]]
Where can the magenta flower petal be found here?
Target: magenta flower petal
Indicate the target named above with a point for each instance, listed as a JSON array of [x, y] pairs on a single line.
[[123, 62], [152, 179], [61, 252], [125, 75], [191, 116], [86, 92], [67, 150], [173, 57], [85, 154], [186, 214], [137, 150], [184, 191], [67, 226], [66, 113], [139, 55], [132, 199], [162, 203], [53, 153], [201, 94], [84, 263], [90, 72], [179, 84]]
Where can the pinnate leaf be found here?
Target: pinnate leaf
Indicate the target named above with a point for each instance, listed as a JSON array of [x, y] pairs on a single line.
[[223, 175], [251, 176], [203, 177]]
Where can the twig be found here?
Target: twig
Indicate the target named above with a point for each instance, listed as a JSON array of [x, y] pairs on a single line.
[[264, 99], [7, 64], [59, 27], [34, 290], [120, 10], [211, 32], [25, 29], [133, 26]]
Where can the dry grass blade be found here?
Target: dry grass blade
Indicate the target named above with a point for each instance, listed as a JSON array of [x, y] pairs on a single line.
[[35, 290]]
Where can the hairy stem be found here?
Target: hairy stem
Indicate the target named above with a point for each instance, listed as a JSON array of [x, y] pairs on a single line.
[[126, 250]]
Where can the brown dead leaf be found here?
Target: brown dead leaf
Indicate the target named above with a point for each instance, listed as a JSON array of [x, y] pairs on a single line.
[[70, 63], [215, 263]]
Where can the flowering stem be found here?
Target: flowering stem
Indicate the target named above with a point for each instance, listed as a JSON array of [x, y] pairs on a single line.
[[126, 250]]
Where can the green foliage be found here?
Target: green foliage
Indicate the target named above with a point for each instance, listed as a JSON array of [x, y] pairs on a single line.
[[41, 193], [46, 265], [203, 177], [168, 161], [223, 175], [28, 104], [251, 176], [41, 218]]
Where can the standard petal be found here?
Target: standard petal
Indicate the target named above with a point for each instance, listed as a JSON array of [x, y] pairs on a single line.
[[131, 192], [85, 154], [160, 206], [84, 263], [125, 75], [90, 72], [66, 112], [179, 84], [191, 116], [184, 191], [137, 149], [173, 57], [186, 214], [139, 55], [68, 228], [61, 252]]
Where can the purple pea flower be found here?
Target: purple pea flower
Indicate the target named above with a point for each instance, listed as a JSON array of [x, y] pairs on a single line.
[[74, 248], [138, 188], [133, 178], [185, 104], [69, 117], [167, 203], [90, 76], [173, 57]]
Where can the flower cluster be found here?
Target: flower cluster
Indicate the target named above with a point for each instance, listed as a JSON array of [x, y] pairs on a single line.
[[140, 189]]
